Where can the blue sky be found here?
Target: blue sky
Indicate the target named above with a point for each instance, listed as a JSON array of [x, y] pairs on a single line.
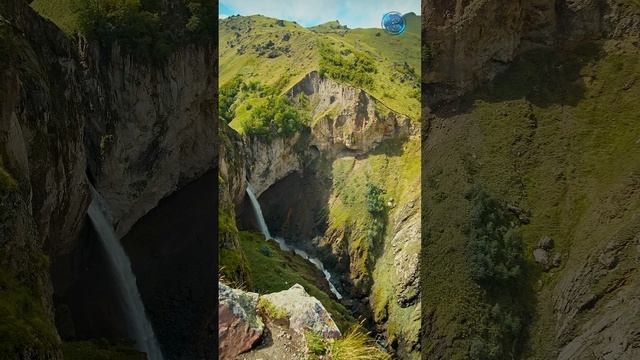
[[353, 13]]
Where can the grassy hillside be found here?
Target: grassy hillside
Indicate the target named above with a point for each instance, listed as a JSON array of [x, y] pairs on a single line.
[[394, 168], [62, 12], [146, 29], [270, 51], [272, 270], [557, 135]]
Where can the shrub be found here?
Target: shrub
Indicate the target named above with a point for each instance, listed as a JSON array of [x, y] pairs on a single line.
[[278, 116], [375, 199], [143, 28], [496, 255], [353, 67], [315, 345], [265, 250], [227, 96]]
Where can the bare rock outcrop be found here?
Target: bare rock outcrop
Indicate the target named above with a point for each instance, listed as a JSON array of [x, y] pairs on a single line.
[[159, 132], [43, 192], [304, 312], [597, 306], [239, 326], [348, 119]]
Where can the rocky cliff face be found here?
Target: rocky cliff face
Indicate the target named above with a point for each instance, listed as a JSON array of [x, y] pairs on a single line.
[[142, 131], [44, 191], [153, 131], [347, 119], [292, 176], [471, 41], [539, 60]]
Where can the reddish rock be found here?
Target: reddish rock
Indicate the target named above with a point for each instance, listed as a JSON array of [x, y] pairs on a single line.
[[239, 327]]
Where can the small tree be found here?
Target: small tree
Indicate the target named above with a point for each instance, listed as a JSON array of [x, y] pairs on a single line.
[[496, 255], [375, 200]]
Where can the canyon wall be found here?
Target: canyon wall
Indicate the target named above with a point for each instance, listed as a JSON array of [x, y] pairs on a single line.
[[508, 83], [470, 41], [292, 176], [71, 109]]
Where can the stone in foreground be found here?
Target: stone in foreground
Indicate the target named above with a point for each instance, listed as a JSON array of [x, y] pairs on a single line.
[[239, 326], [304, 312]]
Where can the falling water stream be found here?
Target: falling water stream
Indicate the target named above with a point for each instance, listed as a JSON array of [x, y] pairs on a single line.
[[283, 245], [137, 320]]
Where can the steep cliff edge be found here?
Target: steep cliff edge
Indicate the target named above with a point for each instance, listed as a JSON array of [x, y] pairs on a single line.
[[470, 42], [68, 105], [44, 189], [543, 118], [312, 188], [152, 131]]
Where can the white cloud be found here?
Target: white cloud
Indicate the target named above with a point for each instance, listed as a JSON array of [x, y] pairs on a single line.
[[354, 13]]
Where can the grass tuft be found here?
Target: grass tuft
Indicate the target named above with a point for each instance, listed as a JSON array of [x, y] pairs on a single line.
[[356, 345]]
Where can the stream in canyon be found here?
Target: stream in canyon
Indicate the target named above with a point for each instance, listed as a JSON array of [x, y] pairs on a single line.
[[137, 319], [284, 246]]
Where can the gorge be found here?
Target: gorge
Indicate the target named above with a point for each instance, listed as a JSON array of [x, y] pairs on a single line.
[[79, 111], [137, 320]]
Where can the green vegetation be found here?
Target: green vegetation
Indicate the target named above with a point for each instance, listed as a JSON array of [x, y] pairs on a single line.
[[25, 324], [255, 109], [496, 255], [100, 350], [356, 345], [316, 346], [61, 12], [277, 116], [233, 266], [395, 167], [347, 66], [146, 29], [557, 136], [349, 54], [7, 182], [281, 270], [273, 312]]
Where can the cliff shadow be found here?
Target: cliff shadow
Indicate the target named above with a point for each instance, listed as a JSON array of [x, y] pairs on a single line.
[[544, 77], [173, 255]]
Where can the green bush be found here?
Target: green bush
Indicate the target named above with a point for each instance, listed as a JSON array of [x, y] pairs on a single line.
[[144, 28], [227, 96], [353, 67], [277, 117], [496, 254], [375, 199], [500, 337]]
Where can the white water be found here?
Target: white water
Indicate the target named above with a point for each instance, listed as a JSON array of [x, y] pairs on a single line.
[[138, 323], [283, 245]]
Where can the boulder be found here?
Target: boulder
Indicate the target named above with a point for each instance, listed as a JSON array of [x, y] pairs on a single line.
[[304, 311], [541, 256], [239, 326], [546, 243]]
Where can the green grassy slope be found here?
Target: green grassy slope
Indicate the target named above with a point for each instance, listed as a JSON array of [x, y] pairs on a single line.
[[61, 12], [268, 50], [273, 270], [556, 135], [395, 168]]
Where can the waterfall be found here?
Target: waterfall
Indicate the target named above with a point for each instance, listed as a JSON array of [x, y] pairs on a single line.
[[283, 244], [138, 323]]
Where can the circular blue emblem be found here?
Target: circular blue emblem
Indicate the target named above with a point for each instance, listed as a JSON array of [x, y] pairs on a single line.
[[393, 23]]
